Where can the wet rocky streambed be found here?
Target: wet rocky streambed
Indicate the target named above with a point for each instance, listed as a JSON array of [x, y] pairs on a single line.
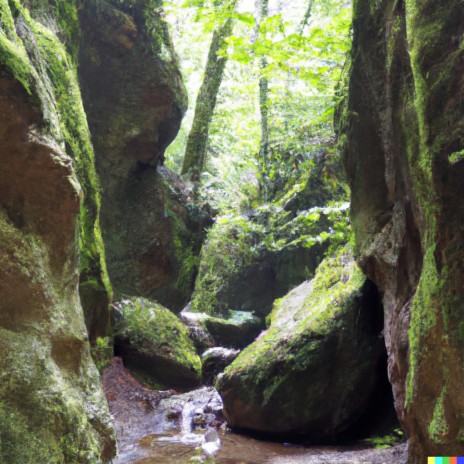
[[163, 427]]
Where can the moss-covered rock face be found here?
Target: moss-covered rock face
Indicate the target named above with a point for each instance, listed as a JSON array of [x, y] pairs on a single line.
[[135, 100], [405, 136], [52, 408], [250, 260], [155, 345], [310, 374], [62, 107]]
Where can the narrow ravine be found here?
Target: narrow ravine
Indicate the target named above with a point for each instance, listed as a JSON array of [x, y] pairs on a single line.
[[231, 231]]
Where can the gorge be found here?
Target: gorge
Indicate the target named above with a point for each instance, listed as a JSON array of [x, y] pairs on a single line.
[[327, 310]]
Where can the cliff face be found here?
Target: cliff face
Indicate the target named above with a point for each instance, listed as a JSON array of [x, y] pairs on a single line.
[[405, 160], [52, 408], [135, 99]]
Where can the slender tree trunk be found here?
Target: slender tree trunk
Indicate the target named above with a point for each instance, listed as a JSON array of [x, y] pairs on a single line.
[[306, 17], [197, 142], [264, 110]]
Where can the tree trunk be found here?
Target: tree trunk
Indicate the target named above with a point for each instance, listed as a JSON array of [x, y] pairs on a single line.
[[197, 142], [264, 110], [306, 17]]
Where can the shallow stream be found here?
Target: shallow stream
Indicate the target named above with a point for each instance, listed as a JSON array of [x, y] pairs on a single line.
[[168, 428]]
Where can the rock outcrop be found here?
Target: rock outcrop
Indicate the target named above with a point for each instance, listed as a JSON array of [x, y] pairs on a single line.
[[312, 373], [155, 345], [52, 408], [135, 99], [405, 160]]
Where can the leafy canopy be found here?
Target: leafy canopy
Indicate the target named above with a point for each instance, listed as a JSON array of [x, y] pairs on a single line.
[[304, 66]]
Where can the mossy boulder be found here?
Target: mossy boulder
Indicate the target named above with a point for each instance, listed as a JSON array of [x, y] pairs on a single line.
[[155, 345], [52, 407], [237, 329], [311, 374], [404, 130], [250, 260], [135, 99]]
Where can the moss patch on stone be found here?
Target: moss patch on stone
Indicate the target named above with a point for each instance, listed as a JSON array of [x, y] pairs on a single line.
[[438, 428], [285, 373], [153, 341]]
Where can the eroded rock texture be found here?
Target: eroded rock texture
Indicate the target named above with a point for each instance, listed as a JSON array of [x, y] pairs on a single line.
[[312, 373], [135, 100], [52, 408], [405, 160]]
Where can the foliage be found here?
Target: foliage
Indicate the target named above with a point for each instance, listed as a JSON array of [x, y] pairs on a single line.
[[303, 69], [386, 441], [239, 241]]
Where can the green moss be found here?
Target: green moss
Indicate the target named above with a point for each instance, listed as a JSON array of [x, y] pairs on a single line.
[[386, 441], [68, 22], [228, 249], [157, 31], [153, 330], [52, 412], [438, 428], [15, 433], [103, 352], [456, 157], [12, 51], [335, 284], [423, 317]]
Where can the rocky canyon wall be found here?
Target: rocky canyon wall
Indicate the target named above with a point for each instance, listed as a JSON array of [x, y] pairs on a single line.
[[135, 99], [54, 287], [52, 408], [405, 160]]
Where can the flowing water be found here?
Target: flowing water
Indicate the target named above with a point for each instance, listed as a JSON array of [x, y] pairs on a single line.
[[167, 428]]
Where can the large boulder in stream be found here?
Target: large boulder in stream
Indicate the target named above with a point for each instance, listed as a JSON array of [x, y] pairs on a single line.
[[135, 98], [52, 407], [155, 345], [404, 128], [312, 373]]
